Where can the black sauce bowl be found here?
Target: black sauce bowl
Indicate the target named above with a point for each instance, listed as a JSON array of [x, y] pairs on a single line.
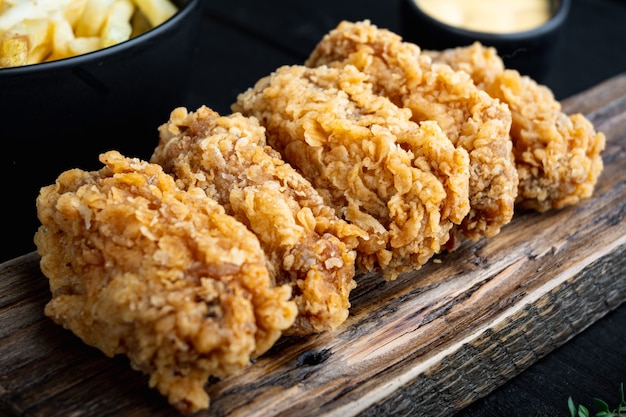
[[62, 114], [528, 51]]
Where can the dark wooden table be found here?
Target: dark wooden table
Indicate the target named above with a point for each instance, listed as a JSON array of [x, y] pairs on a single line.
[[242, 40]]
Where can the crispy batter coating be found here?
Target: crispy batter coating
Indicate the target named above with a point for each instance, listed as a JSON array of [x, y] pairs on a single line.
[[404, 183], [138, 267], [470, 118], [558, 156], [307, 245]]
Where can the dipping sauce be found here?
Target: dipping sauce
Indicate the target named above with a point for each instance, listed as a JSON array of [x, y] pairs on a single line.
[[493, 16]]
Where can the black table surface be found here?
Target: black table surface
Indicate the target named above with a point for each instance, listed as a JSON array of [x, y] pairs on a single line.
[[241, 41]]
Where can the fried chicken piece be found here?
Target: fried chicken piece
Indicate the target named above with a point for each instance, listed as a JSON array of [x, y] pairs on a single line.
[[138, 267], [307, 245], [402, 182], [471, 119], [558, 156]]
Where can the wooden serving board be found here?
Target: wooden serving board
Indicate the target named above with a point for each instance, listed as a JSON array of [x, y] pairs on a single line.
[[428, 343]]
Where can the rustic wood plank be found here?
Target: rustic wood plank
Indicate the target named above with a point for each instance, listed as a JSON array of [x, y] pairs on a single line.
[[430, 342], [603, 105]]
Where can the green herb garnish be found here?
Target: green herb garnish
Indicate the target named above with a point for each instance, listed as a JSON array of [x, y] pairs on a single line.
[[603, 408]]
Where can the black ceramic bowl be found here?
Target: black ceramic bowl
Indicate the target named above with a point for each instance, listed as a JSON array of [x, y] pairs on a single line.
[[528, 51], [63, 114]]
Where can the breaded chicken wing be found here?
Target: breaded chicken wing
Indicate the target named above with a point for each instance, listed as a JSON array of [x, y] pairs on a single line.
[[470, 118], [402, 182], [308, 246], [557, 155], [138, 267]]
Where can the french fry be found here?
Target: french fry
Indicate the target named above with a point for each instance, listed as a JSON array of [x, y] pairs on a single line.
[[62, 35], [83, 45], [27, 42], [117, 27], [157, 11], [39, 39], [13, 51], [140, 23], [73, 11], [93, 17]]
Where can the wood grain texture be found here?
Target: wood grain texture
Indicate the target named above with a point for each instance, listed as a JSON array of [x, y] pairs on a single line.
[[429, 343]]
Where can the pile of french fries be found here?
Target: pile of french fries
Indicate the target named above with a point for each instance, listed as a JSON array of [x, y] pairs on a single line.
[[35, 31]]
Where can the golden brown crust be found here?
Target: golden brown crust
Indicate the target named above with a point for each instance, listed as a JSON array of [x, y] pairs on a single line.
[[469, 117], [141, 268], [557, 155], [308, 246], [398, 150], [402, 182]]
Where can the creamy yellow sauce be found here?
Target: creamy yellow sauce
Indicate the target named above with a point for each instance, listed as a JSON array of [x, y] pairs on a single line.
[[494, 16]]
